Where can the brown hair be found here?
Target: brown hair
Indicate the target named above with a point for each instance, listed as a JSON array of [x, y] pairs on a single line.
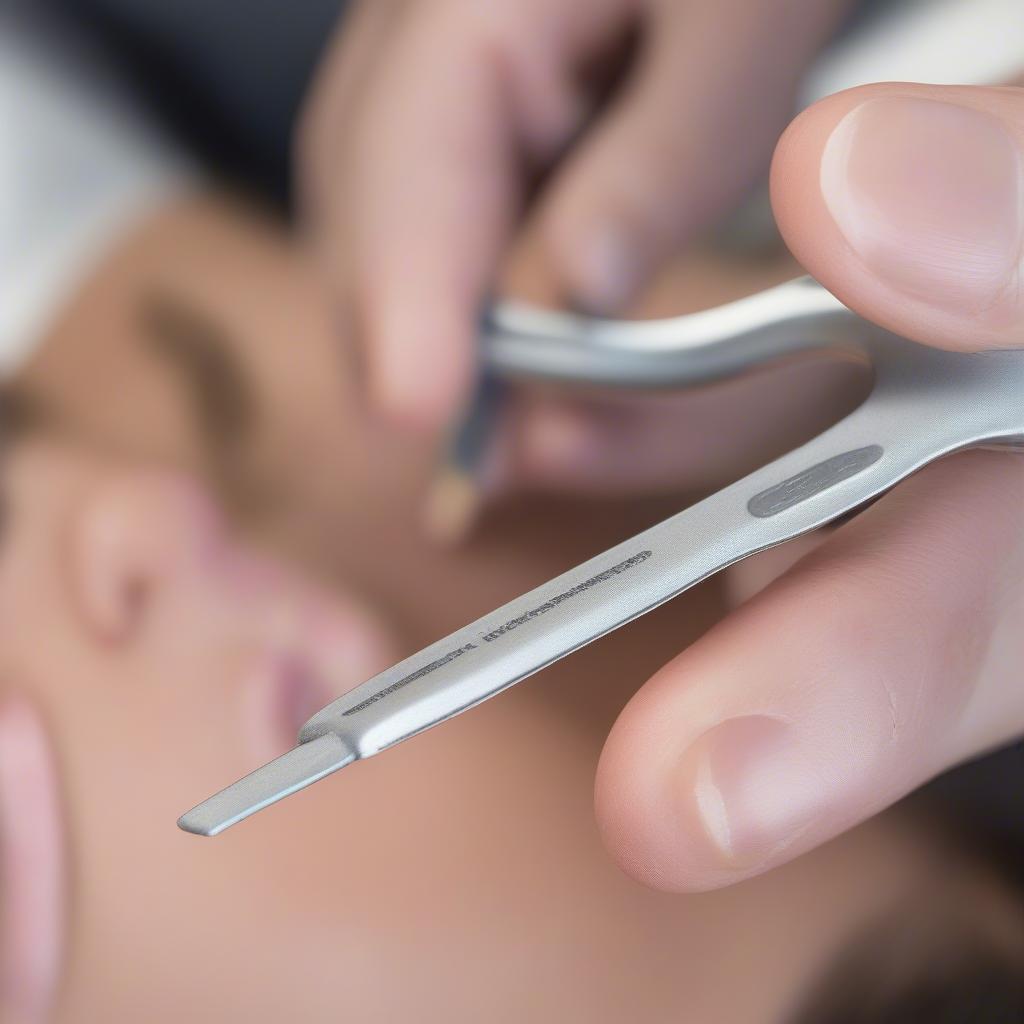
[[921, 966], [21, 412]]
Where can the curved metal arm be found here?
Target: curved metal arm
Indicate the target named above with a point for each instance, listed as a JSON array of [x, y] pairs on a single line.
[[799, 316]]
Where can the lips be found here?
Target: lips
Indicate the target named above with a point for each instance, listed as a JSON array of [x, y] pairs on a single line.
[[308, 645], [311, 657], [298, 693]]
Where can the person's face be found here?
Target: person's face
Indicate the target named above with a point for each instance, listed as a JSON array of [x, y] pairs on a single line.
[[165, 655], [459, 876]]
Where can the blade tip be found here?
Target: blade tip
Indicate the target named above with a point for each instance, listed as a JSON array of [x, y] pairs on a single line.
[[198, 824], [292, 771]]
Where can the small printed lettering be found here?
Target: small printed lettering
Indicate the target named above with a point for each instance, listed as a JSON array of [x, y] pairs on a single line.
[[507, 627], [412, 677], [555, 601]]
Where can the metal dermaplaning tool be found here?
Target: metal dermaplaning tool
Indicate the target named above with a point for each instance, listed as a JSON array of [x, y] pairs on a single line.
[[925, 403]]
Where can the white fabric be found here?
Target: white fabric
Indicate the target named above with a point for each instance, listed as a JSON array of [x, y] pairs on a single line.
[[942, 42], [78, 164]]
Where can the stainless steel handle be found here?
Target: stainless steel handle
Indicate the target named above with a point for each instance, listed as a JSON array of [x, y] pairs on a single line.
[[925, 403], [522, 341]]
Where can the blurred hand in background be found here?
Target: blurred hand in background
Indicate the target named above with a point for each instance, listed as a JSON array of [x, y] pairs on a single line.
[[441, 135]]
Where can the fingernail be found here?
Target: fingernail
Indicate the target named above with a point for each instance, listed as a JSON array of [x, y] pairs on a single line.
[[607, 270], [755, 790], [928, 195], [412, 373], [402, 395]]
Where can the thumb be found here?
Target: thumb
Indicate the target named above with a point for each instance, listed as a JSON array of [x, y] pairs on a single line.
[[907, 202]]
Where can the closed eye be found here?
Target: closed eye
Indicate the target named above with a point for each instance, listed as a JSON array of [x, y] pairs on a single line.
[[201, 356]]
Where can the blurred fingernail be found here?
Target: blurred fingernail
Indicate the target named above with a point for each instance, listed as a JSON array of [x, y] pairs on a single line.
[[607, 270], [928, 195], [451, 507], [755, 790], [413, 375], [401, 398]]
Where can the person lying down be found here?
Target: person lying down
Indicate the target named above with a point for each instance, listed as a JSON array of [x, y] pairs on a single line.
[[205, 539]]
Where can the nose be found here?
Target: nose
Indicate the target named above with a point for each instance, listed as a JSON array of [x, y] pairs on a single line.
[[134, 535], [152, 563]]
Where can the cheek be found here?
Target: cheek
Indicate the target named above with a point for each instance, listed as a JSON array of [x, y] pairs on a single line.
[[137, 748]]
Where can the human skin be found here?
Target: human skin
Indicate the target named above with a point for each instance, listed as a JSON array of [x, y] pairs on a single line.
[[442, 137], [456, 877], [903, 199], [902, 633]]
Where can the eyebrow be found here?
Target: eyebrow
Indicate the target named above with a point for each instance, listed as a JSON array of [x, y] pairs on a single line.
[[22, 411], [200, 354]]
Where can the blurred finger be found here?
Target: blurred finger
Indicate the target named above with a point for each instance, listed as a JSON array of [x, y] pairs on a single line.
[[889, 654], [681, 142], [357, 46], [435, 154]]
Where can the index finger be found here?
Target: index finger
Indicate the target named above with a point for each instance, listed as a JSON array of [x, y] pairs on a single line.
[[430, 192]]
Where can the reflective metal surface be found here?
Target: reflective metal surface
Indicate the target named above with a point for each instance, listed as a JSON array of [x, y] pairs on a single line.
[[925, 403]]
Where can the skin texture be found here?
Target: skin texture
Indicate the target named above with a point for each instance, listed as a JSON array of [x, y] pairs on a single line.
[[427, 882], [893, 651], [818, 243]]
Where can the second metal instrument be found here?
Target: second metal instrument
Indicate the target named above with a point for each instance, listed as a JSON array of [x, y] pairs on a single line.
[[925, 403]]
